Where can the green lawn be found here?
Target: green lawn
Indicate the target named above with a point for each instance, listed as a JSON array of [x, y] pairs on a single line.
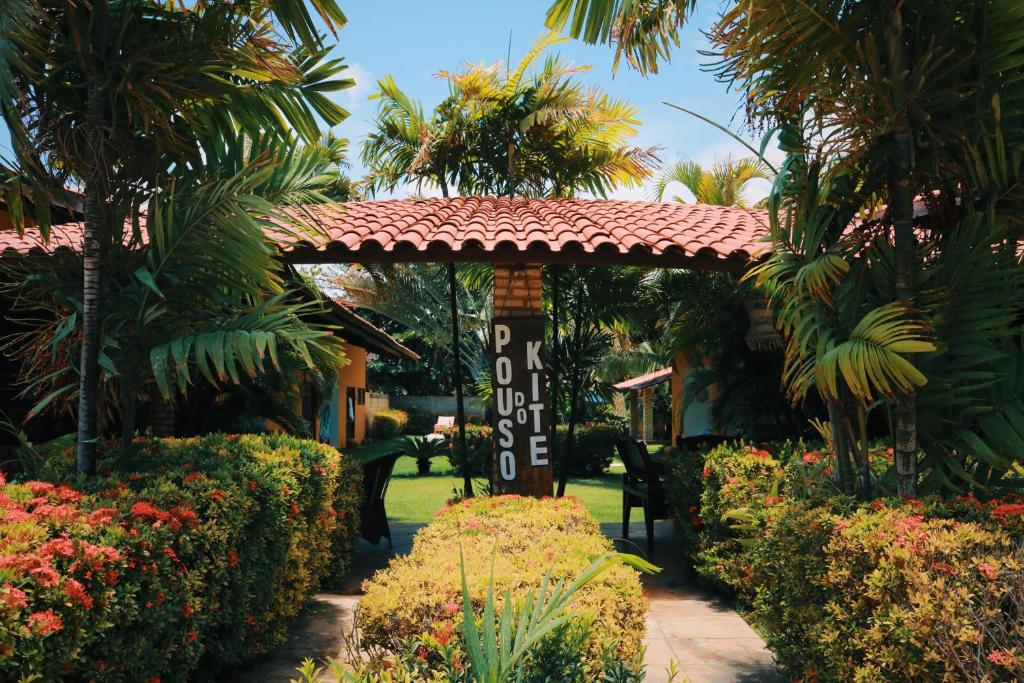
[[412, 498]]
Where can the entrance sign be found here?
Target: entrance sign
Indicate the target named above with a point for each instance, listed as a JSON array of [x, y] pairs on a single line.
[[522, 452]]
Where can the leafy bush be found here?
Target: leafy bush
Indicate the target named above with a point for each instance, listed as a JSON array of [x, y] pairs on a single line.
[[892, 590], [508, 542], [594, 447], [389, 423], [422, 450], [592, 454], [479, 447], [182, 555], [420, 422], [887, 594]]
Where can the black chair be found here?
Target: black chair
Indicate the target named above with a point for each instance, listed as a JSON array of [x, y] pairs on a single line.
[[374, 518], [642, 486]]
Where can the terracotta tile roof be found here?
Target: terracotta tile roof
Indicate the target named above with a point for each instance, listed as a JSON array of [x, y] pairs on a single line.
[[503, 229], [68, 235], [643, 381]]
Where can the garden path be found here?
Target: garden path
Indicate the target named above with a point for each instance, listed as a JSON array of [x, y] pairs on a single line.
[[707, 639]]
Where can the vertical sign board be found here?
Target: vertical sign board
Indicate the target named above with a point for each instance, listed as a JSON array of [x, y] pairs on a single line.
[[522, 452]]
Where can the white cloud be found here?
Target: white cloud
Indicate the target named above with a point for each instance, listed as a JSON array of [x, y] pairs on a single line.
[[365, 84]]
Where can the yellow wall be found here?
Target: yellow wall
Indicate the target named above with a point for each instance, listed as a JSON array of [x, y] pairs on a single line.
[[352, 375]]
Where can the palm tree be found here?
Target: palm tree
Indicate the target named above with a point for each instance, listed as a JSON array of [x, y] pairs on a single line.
[[723, 184], [921, 98], [113, 95], [526, 131], [200, 295]]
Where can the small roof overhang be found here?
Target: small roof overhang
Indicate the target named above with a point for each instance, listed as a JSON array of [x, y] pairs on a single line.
[[644, 381], [357, 330]]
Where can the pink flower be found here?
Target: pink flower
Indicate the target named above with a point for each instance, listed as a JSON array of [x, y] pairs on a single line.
[[1002, 657], [39, 488], [76, 591], [988, 571], [13, 597], [45, 622]]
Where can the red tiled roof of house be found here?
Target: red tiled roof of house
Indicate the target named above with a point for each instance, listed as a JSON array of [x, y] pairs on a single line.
[[513, 230], [67, 235], [508, 230], [643, 381]]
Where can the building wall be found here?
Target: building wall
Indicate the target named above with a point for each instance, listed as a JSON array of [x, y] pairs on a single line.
[[331, 420], [439, 405], [352, 375], [697, 420]]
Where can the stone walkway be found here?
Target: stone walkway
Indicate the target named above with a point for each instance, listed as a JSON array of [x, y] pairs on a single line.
[[707, 639]]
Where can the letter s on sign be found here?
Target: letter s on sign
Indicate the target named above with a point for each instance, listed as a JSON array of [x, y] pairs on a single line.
[[505, 428]]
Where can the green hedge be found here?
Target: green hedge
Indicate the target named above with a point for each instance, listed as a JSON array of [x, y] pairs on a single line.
[[519, 539], [389, 423], [181, 556], [420, 422], [844, 591], [592, 454]]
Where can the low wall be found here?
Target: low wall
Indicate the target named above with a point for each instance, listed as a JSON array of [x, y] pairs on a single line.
[[437, 405], [375, 402]]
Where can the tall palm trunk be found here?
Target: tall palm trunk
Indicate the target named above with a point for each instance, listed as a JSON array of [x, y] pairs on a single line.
[[902, 204], [574, 390], [460, 411], [840, 444], [92, 249], [556, 296]]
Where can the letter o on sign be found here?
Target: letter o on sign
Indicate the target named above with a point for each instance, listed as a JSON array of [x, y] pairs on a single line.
[[503, 367], [507, 463]]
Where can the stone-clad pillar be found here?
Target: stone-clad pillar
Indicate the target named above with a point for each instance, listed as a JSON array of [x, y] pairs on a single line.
[[522, 452]]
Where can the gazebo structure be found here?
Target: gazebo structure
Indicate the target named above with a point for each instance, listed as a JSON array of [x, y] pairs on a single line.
[[518, 236], [640, 401]]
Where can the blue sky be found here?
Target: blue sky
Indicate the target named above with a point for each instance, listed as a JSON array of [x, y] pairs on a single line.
[[412, 40]]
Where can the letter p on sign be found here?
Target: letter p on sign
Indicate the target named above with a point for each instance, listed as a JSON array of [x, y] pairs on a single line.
[[502, 336]]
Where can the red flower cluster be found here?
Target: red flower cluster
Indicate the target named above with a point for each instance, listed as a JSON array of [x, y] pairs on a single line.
[[1002, 513], [77, 593], [12, 597], [44, 622]]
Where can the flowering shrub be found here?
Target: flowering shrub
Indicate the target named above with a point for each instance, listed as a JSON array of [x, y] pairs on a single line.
[[479, 448], [734, 477], [182, 555], [593, 450], [927, 589], [389, 423], [417, 599]]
